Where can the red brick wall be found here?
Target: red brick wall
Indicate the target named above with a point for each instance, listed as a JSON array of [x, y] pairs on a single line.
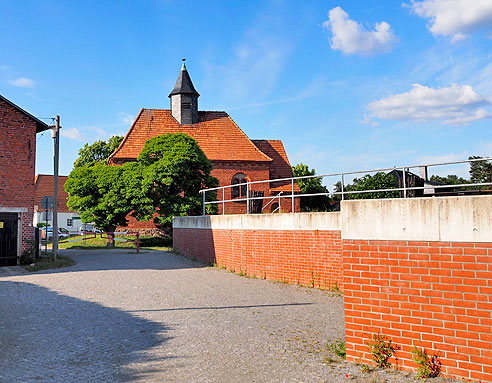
[[435, 295], [310, 258], [17, 159]]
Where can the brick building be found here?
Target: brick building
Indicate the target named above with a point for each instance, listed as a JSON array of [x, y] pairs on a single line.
[[18, 130], [44, 186], [235, 158]]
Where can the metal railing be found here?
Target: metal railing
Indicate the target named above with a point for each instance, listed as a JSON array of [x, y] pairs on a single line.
[[273, 198], [343, 193]]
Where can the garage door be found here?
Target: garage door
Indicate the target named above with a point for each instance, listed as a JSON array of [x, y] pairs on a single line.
[[8, 239]]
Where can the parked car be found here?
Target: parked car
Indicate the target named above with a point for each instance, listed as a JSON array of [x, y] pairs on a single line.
[[48, 233], [88, 228]]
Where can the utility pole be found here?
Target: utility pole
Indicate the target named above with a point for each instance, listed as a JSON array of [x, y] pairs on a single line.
[[55, 133]]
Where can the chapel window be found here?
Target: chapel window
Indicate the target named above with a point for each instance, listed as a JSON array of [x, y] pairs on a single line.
[[240, 190]]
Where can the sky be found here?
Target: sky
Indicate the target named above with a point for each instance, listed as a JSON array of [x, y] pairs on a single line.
[[346, 85]]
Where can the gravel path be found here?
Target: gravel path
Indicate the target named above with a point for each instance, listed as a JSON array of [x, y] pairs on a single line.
[[157, 317]]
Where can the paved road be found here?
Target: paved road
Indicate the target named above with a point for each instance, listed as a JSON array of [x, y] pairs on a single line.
[[157, 317]]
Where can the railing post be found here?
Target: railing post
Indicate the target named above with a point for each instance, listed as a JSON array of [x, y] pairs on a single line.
[[204, 202], [223, 199], [404, 184], [292, 191], [279, 210], [247, 197], [138, 242], [342, 187]]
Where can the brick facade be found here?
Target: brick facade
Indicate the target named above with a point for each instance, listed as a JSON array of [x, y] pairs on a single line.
[[308, 257], [17, 163], [435, 295]]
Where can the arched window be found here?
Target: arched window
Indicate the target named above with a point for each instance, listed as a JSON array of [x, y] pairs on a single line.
[[239, 191]]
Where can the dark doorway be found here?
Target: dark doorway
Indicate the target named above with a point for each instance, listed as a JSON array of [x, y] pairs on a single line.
[[8, 239]]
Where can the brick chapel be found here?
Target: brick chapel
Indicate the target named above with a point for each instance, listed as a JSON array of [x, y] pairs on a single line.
[[236, 159]]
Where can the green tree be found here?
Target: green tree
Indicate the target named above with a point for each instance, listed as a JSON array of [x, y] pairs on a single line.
[[172, 169], [97, 152], [99, 194], [450, 179], [378, 181], [164, 182], [480, 171], [311, 186]]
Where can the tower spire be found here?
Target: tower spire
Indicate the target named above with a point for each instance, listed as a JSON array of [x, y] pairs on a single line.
[[184, 98]]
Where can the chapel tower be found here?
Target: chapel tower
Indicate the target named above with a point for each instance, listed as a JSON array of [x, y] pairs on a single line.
[[184, 99]]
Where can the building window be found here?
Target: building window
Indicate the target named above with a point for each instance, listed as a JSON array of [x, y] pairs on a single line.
[[239, 191], [69, 222]]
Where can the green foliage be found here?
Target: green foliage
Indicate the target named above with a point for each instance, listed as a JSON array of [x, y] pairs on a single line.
[[379, 180], [99, 194], [164, 182], [98, 152], [480, 171], [381, 350], [338, 348], [428, 366], [450, 179], [171, 169], [311, 186]]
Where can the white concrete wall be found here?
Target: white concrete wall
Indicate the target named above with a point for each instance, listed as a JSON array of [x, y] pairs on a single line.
[[456, 219], [453, 219], [287, 221]]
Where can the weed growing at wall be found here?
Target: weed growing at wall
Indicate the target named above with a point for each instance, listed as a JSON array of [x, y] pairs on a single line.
[[428, 366], [381, 350], [338, 348]]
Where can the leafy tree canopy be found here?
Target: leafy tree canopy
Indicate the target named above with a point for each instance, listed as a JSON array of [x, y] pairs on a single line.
[[311, 186], [98, 152], [379, 180], [450, 179], [98, 193], [171, 170], [480, 171], [164, 182]]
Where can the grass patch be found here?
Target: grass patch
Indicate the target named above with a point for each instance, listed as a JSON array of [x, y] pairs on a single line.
[[46, 262], [146, 242]]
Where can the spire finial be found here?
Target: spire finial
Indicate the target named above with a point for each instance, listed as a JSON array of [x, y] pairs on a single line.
[[183, 67]]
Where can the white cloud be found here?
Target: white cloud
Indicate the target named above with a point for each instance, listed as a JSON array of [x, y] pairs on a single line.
[[350, 37], [23, 82], [73, 134], [454, 18], [126, 118], [452, 105], [101, 133]]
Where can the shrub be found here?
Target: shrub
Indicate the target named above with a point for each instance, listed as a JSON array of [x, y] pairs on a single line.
[[428, 366], [381, 350]]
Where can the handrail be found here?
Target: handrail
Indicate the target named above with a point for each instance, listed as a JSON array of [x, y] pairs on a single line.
[[273, 198], [343, 192]]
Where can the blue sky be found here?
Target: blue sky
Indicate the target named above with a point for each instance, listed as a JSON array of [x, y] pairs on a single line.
[[346, 85]]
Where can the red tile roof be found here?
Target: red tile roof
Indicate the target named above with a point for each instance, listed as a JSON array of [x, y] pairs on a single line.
[[44, 186], [216, 133], [280, 166]]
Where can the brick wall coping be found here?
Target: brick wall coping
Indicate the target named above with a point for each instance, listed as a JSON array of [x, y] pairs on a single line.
[[448, 219], [287, 221]]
